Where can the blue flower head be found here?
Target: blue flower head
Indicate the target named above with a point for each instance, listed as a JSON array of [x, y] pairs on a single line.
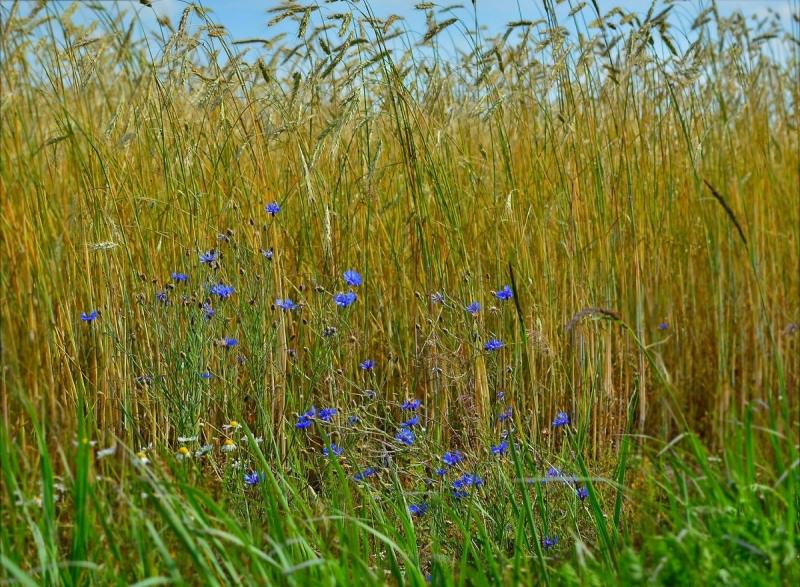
[[452, 458], [273, 208], [209, 257], [229, 342], [334, 450], [286, 305], [208, 311], [663, 326], [418, 509], [441, 472], [474, 308], [405, 436], [353, 420], [89, 316], [206, 375], [410, 404], [179, 277], [561, 419], [345, 299], [327, 414], [410, 422], [493, 345], [352, 278], [303, 423], [504, 294], [437, 297], [464, 482], [268, 253], [253, 478], [553, 473], [161, 296], [582, 493], [367, 364], [222, 290], [366, 473], [549, 541], [500, 449], [506, 415]]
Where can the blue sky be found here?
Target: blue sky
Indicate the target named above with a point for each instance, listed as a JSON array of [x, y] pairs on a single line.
[[245, 18], [248, 18]]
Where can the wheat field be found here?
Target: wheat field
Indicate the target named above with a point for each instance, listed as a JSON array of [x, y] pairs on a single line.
[[358, 304]]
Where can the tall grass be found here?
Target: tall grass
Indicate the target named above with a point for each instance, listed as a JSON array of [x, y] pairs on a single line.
[[635, 181]]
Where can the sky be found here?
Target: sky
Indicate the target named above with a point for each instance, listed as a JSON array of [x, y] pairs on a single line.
[[244, 19], [248, 18]]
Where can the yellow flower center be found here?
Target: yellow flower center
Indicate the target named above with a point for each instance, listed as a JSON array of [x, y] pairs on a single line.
[[228, 442], [183, 450]]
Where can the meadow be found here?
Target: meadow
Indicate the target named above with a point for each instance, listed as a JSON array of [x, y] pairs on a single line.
[[362, 305]]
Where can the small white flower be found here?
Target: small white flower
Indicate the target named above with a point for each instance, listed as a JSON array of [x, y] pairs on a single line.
[[232, 425], [183, 453], [106, 452], [203, 450], [228, 446], [259, 440], [141, 458], [187, 438]]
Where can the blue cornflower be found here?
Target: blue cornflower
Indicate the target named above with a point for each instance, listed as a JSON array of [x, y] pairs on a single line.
[[405, 436], [553, 473], [161, 296], [441, 472], [418, 509], [452, 458], [303, 423], [367, 365], [268, 253], [504, 294], [273, 208], [228, 342], [327, 414], [562, 419], [208, 311], [353, 420], [334, 450], [582, 493], [209, 257], [461, 484], [89, 317], [253, 478], [206, 375], [222, 290], [474, 308], [352, 278], [285, 305], [345, 299], [663, 326], [410, 404], [506, 415], [500, 449], [549, 541], [410, 422], [500, 395], [493, 345], [179, 277], [368, 472], [437, 298]]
